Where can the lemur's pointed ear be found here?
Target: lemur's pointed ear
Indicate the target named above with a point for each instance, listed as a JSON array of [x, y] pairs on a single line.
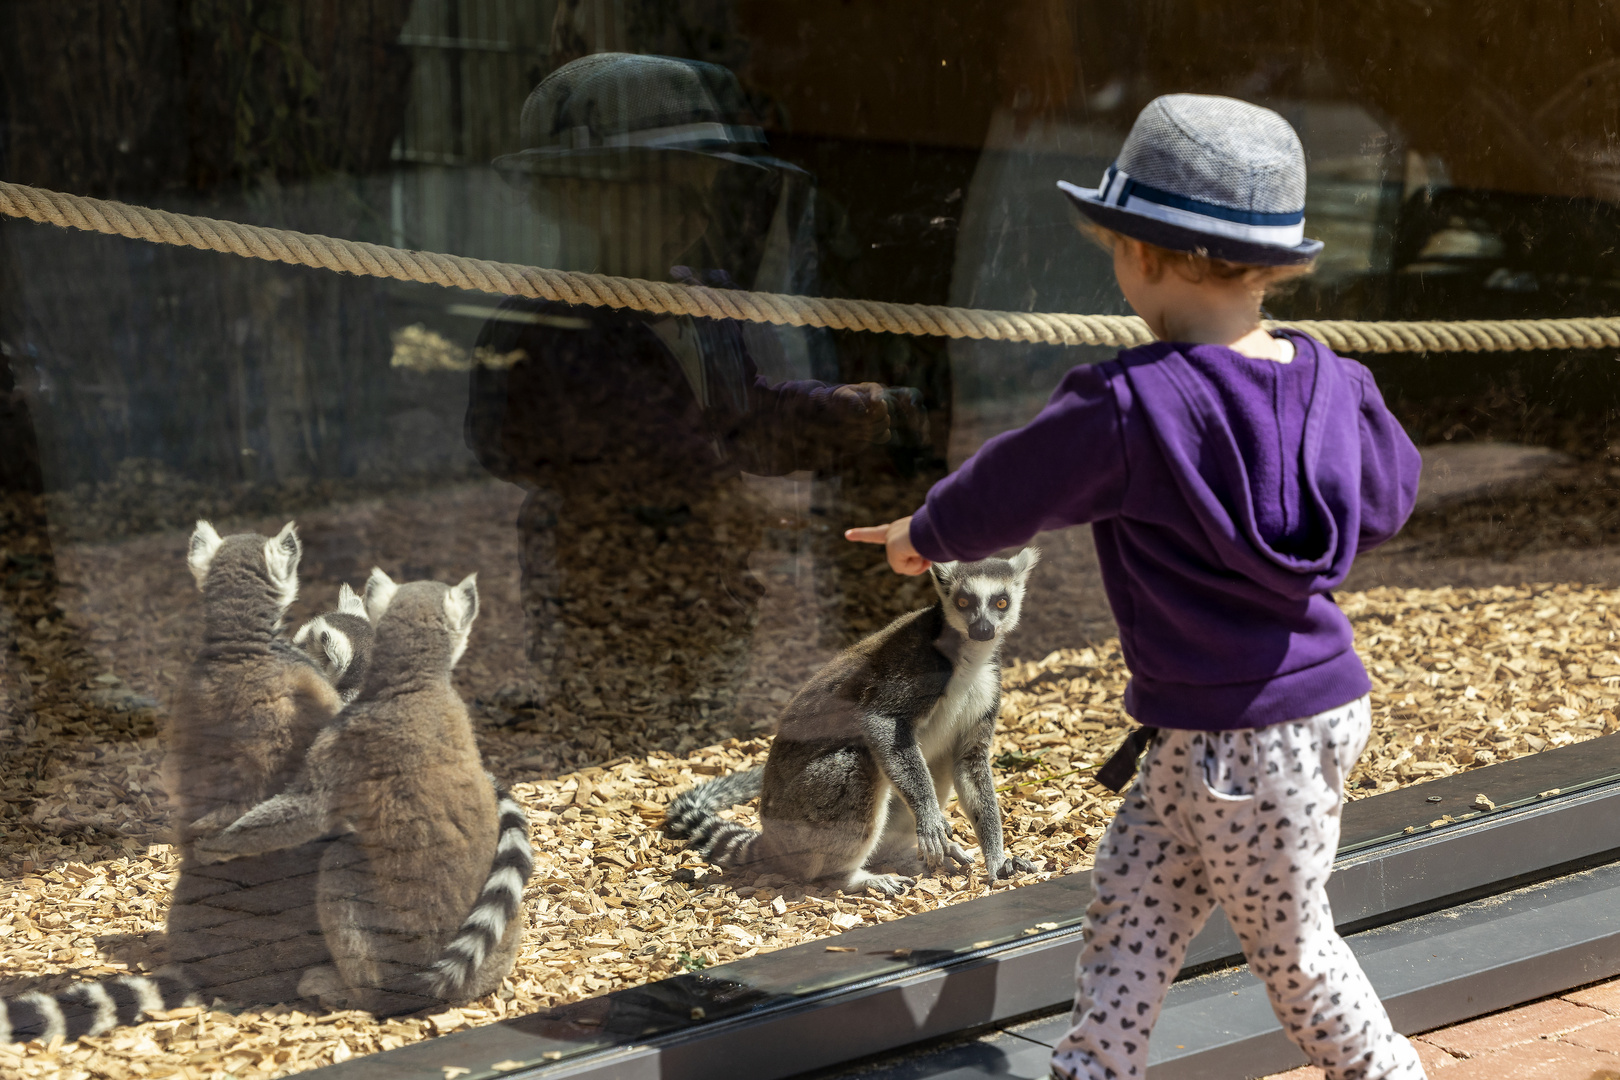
[[460, 609], [349, 602], [380, 590], [1024, 562], [461, 603], [200, 552], [943, 573], [281, 555]]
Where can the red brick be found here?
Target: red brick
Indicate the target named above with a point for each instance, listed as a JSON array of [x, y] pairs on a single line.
[[1432, 1056], [1604, 1036], [1504, 1029], [1544, 1059], [1605, 996]]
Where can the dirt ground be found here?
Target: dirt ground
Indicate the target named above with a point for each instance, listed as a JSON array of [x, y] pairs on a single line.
[[1475, 658]]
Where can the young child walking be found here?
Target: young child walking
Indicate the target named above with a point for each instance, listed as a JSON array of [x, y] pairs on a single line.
[[1230, 475]]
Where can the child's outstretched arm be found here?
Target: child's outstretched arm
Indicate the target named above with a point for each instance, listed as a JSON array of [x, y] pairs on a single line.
[[895, 536], [1065, 467]]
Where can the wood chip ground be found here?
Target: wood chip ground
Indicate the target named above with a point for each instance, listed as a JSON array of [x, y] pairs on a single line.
[[95, 635]]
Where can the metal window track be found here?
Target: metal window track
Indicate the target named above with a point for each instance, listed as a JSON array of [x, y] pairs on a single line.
[[1011, 954], [1430, 971]]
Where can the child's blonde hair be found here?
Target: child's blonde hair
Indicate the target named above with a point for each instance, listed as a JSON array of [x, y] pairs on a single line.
[[1197, 266]]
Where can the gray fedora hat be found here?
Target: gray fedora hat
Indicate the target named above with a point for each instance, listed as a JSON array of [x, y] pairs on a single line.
[[1211, 175], [600, 114]]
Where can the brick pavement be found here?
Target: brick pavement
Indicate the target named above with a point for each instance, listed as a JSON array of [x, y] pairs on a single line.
[[1574, 1036]]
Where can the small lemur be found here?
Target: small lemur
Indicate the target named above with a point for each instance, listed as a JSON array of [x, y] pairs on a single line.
[[418, 896], [250, 706], [340, 643], [870, 748]]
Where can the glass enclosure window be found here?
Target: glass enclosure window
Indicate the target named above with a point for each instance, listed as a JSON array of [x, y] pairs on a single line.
[[654, 505]]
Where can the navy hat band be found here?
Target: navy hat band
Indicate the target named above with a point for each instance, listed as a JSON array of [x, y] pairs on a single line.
[[1118, 189]]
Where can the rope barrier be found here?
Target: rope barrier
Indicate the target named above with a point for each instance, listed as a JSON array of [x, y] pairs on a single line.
[[659, 298]]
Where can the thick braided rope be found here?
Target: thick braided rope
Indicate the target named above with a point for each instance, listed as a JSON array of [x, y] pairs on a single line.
[[600, 290]]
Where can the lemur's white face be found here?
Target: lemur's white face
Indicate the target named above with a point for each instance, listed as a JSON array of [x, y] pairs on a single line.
[[983, 599]]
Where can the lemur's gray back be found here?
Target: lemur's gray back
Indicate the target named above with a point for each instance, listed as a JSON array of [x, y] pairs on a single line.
[[251, 705], [439, 856]]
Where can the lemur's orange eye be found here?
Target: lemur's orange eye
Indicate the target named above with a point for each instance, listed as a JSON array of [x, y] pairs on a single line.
[[962, 602], [1001, 605]]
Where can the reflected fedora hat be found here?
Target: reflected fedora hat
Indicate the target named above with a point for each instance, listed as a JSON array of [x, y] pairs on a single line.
[[1211, 175], [598, 114]]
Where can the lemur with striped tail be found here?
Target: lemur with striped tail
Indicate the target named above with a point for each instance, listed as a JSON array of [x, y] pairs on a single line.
[[339, 642], [870, 749], [250, 706], [418, 896], [248, 930]]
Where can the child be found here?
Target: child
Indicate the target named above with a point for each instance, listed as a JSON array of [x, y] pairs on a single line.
[[1230, 476]]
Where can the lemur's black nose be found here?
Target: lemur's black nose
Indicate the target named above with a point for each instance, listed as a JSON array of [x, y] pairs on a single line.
[[981, 630]]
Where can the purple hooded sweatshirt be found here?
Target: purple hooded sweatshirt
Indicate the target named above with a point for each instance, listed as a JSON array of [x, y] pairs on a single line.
[[1227, 496]]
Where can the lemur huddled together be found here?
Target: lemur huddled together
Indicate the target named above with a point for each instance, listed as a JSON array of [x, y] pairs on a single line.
[[338, 837], [868, 752]]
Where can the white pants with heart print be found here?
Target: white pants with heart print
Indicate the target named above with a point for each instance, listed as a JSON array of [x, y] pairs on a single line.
[[1248, 819]]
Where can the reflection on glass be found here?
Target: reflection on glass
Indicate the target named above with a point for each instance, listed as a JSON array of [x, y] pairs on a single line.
[[630, 432], [654, 506]]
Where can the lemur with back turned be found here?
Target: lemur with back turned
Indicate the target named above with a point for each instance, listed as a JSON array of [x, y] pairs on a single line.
[[420, 891], [870, 749], [249, 930], [248, 708]]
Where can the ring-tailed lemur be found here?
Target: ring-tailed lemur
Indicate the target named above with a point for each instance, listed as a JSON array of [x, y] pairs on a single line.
[[412, 911], [249, 708], [869, 750], [340, 643]]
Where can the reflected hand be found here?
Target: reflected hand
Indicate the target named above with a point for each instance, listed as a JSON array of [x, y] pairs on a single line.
[[908, 417], [864, 408], [896, 540]]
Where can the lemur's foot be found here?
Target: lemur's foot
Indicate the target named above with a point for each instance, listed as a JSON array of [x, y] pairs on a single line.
[[962, 858], [325, 985], [887, 884], [1011, 866]]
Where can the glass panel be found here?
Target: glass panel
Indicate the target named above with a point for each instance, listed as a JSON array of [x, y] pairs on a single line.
[[654, 503]]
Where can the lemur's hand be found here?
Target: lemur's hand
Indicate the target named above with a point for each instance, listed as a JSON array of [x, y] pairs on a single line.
[[203, 853], [215, 821], [937, 849], [933, 834], [896, 540]]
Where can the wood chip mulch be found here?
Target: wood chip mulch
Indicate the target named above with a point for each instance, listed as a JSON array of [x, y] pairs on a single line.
[[1462, 676]]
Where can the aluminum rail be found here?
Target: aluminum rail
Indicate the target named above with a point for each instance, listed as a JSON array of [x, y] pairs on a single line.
[[1011, 954]]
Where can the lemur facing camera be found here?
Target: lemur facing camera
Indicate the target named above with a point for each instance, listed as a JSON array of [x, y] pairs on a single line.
[[340, 643], [420, 891], [870, 749]]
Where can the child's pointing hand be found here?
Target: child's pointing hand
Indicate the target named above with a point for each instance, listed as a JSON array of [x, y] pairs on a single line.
[[896, 540]]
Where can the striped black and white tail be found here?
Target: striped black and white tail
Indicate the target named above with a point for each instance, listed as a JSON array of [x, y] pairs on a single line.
[[497, 905], [694, 816], [94, 1008]]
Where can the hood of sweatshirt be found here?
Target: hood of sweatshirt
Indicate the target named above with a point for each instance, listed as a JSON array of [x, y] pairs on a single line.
[[1247, 453]]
